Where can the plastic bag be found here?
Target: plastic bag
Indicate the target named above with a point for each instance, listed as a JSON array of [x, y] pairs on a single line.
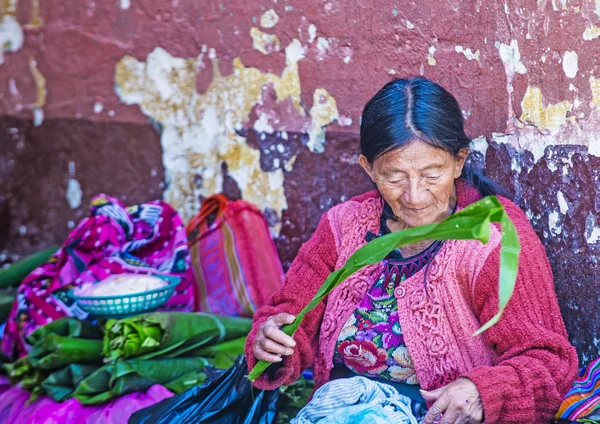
[[226, 397]]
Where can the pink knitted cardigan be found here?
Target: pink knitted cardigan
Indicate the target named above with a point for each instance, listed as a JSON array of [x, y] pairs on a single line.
[[522, 366]]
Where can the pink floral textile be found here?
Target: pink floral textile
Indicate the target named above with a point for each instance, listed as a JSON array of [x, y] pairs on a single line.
[[371, 342], [145, 239]]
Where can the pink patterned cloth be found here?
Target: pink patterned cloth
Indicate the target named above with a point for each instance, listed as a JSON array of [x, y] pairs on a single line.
[[145, 239], [13, 407]]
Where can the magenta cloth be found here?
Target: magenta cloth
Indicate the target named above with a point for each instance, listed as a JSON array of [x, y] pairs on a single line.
[[13, 408], [145, 239]]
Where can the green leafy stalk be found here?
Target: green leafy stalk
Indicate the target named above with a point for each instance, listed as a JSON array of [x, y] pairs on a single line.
[[471, 223]]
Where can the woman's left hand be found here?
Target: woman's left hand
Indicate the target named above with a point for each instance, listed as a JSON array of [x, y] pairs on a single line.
[[455, 403]]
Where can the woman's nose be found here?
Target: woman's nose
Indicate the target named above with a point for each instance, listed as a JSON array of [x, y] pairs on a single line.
[[415, 195]]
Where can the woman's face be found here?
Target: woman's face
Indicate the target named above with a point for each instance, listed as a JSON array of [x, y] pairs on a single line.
[[417, 181]]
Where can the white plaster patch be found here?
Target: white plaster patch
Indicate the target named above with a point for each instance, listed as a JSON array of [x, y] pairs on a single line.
[[511, 57], [312, 33], [38, 116], [294, 52], [430, 58], [323, 45], [98, 108], [74, 192], [480, 145], [269, 19], [562, 202], [125, 4], [591, 33], [570, 64], [11, 36], [262, 124], [554, 223], [468, 53]]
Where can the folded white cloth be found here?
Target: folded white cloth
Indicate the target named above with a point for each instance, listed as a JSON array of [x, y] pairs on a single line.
[[356, 400]]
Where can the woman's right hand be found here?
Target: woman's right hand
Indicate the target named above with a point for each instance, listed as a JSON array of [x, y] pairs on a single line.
[[270, 342]]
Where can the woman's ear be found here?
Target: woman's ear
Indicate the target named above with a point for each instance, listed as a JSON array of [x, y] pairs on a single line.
[[461, 158], [368, 167]]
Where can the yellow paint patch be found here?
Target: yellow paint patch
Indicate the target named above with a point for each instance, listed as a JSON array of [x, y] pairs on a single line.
[[323, 112], [36, 19], [8, 7], [40, 83], [550, 117], [263, 42], [200, 129], [595, 87]]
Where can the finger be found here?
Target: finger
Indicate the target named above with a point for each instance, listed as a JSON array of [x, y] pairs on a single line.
[[263, 355], [433, 395], [276, 348], [450, 416], [275, 334], [437, 409], [281, 319]]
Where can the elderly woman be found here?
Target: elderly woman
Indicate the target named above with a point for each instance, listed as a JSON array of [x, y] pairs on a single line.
[[407, 323]]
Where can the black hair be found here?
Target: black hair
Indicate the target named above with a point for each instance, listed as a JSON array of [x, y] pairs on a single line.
[[417, 108]]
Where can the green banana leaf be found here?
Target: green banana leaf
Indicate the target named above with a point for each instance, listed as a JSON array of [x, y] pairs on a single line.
[[225, 353], [67, 327], [471, 223], [127, 376], [16, 273], [56, 351], [23, 374], [61, 384], [191, 379], [169, 334], [7, 298]]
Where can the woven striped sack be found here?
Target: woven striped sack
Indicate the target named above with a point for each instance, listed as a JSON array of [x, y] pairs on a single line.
[[234, 260], [582, 402]]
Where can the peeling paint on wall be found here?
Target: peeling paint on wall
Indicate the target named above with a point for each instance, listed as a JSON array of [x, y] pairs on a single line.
[[591, 33], [11, 35], [269, 19], [570, 64], [74, 192], [430, 58], [468, 53], [203, 131], [263, 42], [41, 92], [550, 117]]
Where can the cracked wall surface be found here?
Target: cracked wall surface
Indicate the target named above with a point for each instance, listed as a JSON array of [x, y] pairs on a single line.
[[262, 100]]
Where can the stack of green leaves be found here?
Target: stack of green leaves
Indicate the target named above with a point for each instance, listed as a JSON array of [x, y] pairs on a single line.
[[170, 335], [126, 376], [471, 223], [63, 347], [168, 348]]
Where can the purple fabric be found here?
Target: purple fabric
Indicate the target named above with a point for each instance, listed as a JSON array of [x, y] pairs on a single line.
[[145, 239], [13, 408]]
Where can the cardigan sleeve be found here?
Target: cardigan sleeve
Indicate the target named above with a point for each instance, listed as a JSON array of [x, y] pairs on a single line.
[[536, 364], [315, 261]]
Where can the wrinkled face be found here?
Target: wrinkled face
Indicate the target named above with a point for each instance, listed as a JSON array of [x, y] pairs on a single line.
[[417, 181]]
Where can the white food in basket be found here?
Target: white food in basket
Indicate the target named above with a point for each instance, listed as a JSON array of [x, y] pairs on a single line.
[[122, 284]]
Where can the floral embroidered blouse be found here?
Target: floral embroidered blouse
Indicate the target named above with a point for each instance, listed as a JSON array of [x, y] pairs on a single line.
[[371, 342]]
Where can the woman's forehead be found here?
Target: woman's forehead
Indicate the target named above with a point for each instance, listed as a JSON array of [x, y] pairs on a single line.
[[416, 155]]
